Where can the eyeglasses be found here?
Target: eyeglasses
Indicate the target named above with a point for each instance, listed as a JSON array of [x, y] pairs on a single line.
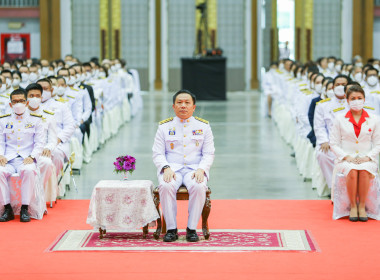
[[18, 101]]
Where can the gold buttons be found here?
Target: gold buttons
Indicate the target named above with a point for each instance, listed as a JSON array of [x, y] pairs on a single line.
[[184, 145], [188, 121], [19, 130], [184, 164], [357, 152], [357, 142], [185, 125], [184, 135], [18, 138], [184, 156]]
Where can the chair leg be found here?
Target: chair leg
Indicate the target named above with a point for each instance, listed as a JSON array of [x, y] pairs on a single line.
[[158, 230], [205, 213], [163, 224], [145, 231]]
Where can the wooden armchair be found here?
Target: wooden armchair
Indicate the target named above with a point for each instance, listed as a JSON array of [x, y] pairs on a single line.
[[183, 194]]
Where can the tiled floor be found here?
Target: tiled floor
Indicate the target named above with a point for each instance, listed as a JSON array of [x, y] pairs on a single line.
[[251, 161]]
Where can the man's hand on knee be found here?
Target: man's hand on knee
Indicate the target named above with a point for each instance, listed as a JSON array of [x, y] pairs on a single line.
[[46, 153], [28, 160], [169, 174], [3, 161], [199, 175]]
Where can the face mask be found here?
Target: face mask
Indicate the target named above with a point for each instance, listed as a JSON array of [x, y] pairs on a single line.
[[71, 81], [359, 64], [312, 85], [46, 95], [16, 82], [281, 66], [304, 77], [356, 105], [25, 77], [318, 88], [358, 77], [78, 76], [299, 76], [34, 102], [33, 77], [8, 82], [338, 67], [118, 66], [83, 77], [88, 76], [102, 74], [2, 88], [54, 90], [376, 66], [339, 91], [19, 108], [50, 73], [330, 93], [45, 71], [66, 79], [372, 80], [331, 65], [61, 91]]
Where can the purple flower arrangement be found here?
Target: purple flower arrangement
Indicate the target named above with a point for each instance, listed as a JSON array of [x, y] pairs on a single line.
[[124, 164]]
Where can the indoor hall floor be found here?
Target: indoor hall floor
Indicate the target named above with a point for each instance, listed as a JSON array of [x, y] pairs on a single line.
[[251, 159]]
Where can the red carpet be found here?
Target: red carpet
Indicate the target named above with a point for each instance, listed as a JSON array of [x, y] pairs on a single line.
[[348, 250]]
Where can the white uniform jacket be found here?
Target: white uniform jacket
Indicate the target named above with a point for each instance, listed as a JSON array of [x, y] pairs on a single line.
[[21, 136], [184, 143], [344, 142]]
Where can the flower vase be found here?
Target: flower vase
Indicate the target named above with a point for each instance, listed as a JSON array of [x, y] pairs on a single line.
[[125, 178]]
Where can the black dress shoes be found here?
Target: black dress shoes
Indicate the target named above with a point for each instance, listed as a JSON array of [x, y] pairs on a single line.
[[8, 214], [191, 235], [24, 215], [171, 235]]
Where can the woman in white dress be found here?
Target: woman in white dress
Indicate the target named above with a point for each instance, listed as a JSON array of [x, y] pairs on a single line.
[[355, 140]]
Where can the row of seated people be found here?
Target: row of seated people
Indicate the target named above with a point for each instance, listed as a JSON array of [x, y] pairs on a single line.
[[43, 122], [309, 108]]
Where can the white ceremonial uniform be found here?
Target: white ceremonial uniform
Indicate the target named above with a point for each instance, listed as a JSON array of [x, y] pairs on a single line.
[[184, 145], [372, 97], [325, 113], [75, 100], [22, 136], [344, 142], [86, 102], [4, 104], [65, 126]]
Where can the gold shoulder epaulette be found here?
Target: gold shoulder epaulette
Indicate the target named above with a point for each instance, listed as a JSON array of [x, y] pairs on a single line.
[[165, 121], [90, 84], [36, 115], [338, 109], [367, 107], [48, 112], [324, 100], [81, 87], [60, 100], [3, 116], [201, 120], [375, 91], [2, 95], [74, 89], [302, 85], [71, 96]]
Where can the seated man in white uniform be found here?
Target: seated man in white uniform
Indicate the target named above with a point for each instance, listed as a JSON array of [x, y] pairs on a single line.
[[183, 152], [20, 144]]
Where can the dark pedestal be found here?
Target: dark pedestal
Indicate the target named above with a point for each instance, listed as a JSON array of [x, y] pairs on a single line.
[[205, 77]]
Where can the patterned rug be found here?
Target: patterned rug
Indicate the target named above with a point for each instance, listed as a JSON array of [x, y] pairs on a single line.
[[220, 240]]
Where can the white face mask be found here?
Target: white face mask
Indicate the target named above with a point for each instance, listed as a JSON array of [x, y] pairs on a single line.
[[50, 73], [359, 64], [45, 71], [3, 88], [331, 65], [66, 79], [25, 77], [8, 82], [88, 76], [102, 74], [372, 81], [34, 102], [330, 93], [281, 66], [339, 91], [71, 81], [356, 105], [19, 108], [16, 82], [338, 67], [61, 91], [299, 76], [83, 77], [358, 77], [318, 88], [33, 77], [46, 95], [376, 66], [118, 66], [54, 90], [311, 85]]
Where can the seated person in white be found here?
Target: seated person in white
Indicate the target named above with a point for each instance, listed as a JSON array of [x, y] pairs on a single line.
[[21, 144], [355, 140], [183, 152]]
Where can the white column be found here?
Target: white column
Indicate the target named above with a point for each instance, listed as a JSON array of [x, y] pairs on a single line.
[[66, 29], [164, 45], [260, 54], [152, 43], [248, 43], [346, 29]]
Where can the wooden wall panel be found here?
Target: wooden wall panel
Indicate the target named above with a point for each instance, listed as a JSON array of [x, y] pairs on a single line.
[[50, 29]]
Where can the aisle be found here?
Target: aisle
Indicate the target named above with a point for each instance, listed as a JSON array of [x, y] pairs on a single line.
[[251, 161]]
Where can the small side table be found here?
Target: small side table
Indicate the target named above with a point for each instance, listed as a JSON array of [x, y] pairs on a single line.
[[122, 205]]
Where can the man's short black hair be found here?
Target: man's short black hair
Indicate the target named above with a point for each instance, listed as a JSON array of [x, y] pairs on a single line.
[[19, 91], [34, 86], [44, 80], [16, 72], [372, 69], [87, 64], [184, 91], [351, 83], [6, 71], [342, 76]]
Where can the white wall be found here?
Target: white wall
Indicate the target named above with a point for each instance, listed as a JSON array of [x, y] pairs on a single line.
[[66, 30], [346, 30], [376, 37], [31, 26]]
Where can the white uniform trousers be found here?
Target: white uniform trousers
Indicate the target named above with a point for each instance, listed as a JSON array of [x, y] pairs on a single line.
[[58, 158], [28, 174], [168, 198], [326, 162], [48, 178]]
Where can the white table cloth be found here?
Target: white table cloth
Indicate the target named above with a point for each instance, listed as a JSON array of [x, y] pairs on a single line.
[[122, 205]]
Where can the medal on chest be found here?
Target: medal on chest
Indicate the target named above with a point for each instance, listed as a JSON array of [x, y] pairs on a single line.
[[172, 131], [197, 143], [9, 125], [198, 132], [172, 146]]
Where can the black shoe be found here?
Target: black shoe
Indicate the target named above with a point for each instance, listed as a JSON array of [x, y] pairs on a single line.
[[24, 215], [191, 235], [363, 219], [171, 235], [353, 219], [8, 214]]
